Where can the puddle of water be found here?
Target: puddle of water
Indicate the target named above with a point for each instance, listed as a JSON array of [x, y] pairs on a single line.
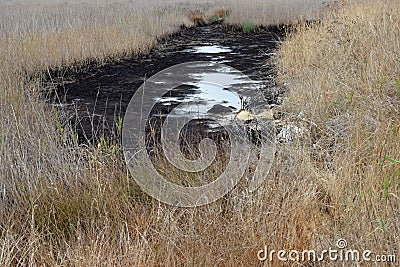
[[201, 99], [218, 58], [209, 49], [217, 90], [109, 89], [209, 98]]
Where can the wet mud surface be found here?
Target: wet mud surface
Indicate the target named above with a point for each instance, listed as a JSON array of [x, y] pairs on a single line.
[[95, 99]]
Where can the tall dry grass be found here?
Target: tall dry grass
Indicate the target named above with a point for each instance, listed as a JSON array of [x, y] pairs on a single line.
[[343, 80], [71, 205], [48, 34]]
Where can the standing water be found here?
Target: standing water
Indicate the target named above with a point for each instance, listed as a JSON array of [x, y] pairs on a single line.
[[96, 98]]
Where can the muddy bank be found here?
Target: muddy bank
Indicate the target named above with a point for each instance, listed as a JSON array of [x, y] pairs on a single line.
[[93, 100]]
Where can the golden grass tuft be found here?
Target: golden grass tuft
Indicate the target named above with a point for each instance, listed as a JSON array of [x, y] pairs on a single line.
[[197, 17], [219, 15], [342, 78]]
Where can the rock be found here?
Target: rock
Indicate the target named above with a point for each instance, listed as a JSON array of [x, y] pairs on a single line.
[[245, 115], [260, 127], [220, 109], [279, 100]]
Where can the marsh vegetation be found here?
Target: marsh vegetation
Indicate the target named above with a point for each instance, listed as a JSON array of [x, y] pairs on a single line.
[[64, 203]]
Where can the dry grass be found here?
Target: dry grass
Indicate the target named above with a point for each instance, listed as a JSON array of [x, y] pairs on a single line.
[[197, 17], [261, 12], [69, 205], [343, 80], [68, 34]]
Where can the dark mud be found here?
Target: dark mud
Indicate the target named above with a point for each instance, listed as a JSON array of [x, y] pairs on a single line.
[[94, 99]]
